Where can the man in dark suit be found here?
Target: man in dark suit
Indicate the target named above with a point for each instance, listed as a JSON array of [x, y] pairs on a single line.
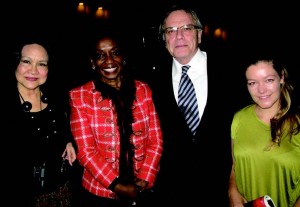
[[195, 168]]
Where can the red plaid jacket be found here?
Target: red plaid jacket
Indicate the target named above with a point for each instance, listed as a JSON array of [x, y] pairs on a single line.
[[95, 130]]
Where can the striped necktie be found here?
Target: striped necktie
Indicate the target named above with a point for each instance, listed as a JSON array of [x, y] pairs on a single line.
[[187, 100]]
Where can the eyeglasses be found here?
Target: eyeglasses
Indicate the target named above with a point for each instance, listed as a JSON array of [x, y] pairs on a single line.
[[185, 29]]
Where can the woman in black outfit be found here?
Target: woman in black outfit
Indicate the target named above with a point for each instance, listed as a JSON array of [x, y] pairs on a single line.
[[39, 136]]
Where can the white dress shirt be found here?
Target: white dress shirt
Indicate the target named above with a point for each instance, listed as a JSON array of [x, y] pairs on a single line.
[[197, 73]]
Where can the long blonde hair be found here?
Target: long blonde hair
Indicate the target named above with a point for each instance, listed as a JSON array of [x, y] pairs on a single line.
[[286, 121]]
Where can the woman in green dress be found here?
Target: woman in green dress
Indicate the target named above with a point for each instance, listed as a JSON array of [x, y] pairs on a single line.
[[266, 139]]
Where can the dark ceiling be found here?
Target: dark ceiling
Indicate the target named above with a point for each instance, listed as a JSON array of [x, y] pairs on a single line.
[[251, 25], [254, 18]]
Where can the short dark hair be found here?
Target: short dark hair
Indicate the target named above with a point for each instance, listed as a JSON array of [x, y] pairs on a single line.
[[107, 31]]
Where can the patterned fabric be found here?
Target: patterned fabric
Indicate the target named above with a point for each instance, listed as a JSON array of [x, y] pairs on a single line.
[[95, 129], [59, 198], [187, 100]]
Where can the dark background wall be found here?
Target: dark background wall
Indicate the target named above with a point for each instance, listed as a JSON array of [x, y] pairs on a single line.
[[252, 27]]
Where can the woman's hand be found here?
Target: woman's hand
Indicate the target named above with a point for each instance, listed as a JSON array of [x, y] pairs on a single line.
[[141, 184], [69, 153], [235, 197]]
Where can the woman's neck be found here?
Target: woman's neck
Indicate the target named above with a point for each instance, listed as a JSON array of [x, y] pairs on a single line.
[[33, 98], [266, 114], [115, 83]]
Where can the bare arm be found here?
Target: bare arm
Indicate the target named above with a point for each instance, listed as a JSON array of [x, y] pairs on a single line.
[[297, 204], [235, 198]]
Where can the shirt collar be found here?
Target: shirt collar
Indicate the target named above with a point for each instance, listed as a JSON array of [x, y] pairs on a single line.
[[199, 59]]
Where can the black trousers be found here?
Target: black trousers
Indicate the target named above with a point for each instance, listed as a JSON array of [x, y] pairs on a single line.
[[86, 198]]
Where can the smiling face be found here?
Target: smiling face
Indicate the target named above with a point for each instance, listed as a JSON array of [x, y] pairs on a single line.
[[183, 45], [32, 70], [264, 85], [108, 61]]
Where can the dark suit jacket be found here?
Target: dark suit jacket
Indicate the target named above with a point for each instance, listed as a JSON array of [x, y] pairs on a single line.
[[194, 172]]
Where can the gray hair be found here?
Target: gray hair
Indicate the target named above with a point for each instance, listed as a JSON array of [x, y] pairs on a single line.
[[193, 13]]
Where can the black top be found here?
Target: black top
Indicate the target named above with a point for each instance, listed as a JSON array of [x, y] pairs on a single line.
[[33, 140], [194, 169], [46, 135]]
